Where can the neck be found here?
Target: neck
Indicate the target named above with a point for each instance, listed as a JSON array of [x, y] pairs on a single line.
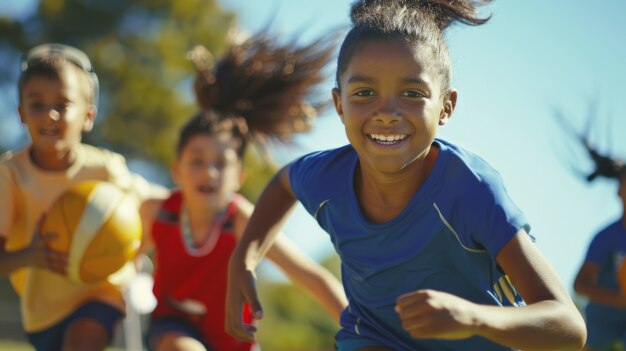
[[53, 160], [384, 197]]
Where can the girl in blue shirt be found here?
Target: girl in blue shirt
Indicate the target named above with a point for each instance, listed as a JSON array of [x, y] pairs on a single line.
[[435, 255], [605, 311]]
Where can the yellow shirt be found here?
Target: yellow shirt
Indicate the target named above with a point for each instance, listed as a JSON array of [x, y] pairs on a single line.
[[27, 193]]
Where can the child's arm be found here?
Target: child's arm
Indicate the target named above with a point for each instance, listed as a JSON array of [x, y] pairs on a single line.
[[586, 284], [550, 321], [37, 254], [148, 212], [301, 269], [309, 274], [271, 211]]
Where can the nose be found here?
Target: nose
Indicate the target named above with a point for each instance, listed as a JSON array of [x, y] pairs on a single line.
[[387, 112]]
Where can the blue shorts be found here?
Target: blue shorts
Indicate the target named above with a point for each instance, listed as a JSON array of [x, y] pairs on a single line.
[[51, 339], [160, 326], [605, 326]]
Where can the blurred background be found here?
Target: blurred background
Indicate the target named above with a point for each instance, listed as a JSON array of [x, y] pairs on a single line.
[[532, 62]]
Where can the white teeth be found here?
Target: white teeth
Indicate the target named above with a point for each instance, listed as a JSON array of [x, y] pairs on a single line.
[[388, 138]]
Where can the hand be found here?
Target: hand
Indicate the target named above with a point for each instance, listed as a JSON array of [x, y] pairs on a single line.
[[241, 289], [42, 256], [436, 314]]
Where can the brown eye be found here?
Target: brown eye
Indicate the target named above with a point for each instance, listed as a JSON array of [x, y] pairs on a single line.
[[364, 92]]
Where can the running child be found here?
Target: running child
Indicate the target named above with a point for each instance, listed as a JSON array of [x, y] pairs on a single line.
[[435, 255], [256, 89], [605, 311], [58, 92]]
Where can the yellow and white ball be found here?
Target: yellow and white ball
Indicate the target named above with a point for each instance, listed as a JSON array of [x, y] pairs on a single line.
[[98, 225]]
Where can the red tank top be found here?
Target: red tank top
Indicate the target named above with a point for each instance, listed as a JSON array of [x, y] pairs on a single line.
[[191, 283]]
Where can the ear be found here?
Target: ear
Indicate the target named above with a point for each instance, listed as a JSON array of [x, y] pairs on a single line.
[[449, 103], [337, 102], [20, 111], [89, 118], [174, 171]]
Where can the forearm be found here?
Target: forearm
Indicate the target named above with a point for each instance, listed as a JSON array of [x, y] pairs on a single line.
[[11, 261], [264, 225], [601, 295], [545, 325], [325, 289]]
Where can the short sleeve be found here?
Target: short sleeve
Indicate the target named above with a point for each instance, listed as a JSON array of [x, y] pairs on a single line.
[[8, 200], [599, 249], [491, 215], [298, 178]]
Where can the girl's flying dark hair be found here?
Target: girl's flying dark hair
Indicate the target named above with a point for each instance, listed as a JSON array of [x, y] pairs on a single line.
[[605, 165], [421, 23], [267, 84]]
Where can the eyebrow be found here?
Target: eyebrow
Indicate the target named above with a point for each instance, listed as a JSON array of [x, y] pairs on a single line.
[[366, 79]]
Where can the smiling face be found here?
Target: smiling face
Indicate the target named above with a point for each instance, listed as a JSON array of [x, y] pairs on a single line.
[[208, 169], [56, 112], [391, 104]]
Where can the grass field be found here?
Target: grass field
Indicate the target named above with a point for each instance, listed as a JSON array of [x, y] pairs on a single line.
[[20, 346]]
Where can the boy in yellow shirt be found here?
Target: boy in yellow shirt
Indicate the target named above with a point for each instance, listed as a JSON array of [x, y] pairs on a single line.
[[58, 92]]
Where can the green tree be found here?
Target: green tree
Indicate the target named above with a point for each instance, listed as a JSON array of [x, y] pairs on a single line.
[[138, 49]]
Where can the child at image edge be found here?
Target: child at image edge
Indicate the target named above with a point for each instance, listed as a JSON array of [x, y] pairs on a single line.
[[58, 92], [435, 255], [598, 278], [195, 230]]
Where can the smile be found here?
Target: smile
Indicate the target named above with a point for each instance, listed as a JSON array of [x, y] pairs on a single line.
[[48, 132], [388, 139]]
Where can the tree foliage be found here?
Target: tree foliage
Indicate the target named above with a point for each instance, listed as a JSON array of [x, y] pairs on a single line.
[[138, 49]]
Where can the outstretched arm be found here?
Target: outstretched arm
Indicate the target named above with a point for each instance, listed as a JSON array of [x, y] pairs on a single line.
[[268, 217], [304, 271], [300, 268], [586, 283], [549, 321]]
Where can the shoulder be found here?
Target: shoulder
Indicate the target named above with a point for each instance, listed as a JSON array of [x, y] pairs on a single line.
[[94, 154], [469, 175], [614, 229], [322, 175], [15, 164], [320, 166], [467, 165]]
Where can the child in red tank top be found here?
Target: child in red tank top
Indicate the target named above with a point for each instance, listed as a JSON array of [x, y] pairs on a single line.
[[196, 229]]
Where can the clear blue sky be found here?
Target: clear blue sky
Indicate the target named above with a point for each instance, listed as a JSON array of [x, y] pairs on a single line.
[[533, 57]]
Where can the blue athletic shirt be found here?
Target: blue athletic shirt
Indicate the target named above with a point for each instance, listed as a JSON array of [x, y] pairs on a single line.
[[608, 249], [445, 239]]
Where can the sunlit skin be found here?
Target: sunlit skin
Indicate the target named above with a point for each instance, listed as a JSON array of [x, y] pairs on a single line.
[[56, 112], [391, 104], [208, 172]]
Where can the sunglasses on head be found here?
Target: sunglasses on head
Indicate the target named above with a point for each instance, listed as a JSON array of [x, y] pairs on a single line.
[[69, 53]]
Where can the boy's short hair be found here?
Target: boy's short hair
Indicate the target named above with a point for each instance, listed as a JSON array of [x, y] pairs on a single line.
[[51, 59]]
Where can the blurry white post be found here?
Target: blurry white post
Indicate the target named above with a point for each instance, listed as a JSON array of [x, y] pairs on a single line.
[[139, 300]]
